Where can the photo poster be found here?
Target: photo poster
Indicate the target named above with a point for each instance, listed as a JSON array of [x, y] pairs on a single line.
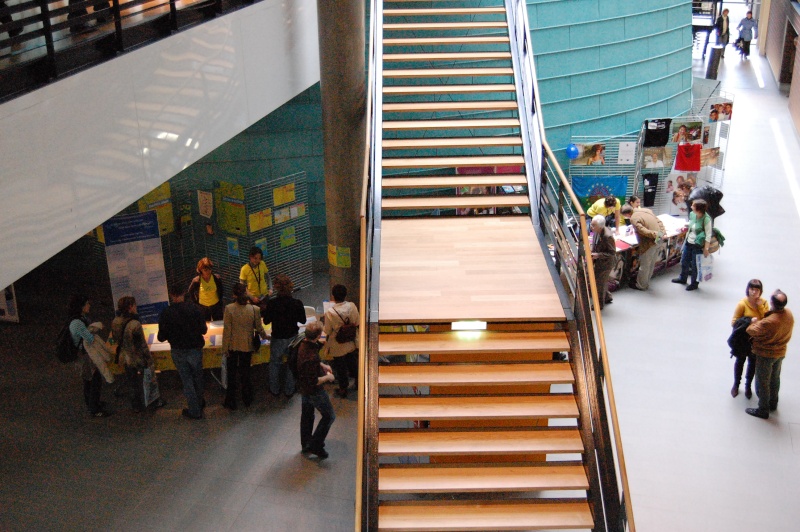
[[229, 202], [657, 158], [136, 262], [591, 188], [686, 131], [160, 201], [720, 112], [590, 155], [8, 305], [676, 189]]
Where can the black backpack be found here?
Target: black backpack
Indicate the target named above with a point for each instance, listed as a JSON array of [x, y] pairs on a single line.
[[66, 350], [291, 354]]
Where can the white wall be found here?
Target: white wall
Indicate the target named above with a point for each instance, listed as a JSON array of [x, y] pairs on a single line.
[[76, 152]]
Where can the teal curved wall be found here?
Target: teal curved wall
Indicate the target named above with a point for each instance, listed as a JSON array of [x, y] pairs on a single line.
[[604, 66]]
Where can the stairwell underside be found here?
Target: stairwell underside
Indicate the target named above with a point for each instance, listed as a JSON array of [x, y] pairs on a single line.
[[466, 268]]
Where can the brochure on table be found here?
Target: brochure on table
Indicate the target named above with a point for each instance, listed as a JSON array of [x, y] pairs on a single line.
[[627, 238]]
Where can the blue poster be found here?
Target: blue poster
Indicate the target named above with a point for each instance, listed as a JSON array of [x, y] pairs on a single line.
[[591, 188]]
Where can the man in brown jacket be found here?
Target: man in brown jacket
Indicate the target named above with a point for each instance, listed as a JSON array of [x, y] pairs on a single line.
[[650, 232], [770, 337]]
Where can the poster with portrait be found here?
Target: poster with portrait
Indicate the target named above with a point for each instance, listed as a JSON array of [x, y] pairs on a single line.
[[590, 155], [657, 158], [677, 188], [689, 131], [720, 112], [711, 157]]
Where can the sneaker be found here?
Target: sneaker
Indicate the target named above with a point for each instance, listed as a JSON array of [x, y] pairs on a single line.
[[185, 413], [322, 454]]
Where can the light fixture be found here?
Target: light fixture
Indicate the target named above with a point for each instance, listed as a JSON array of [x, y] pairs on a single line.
[[468, 326]]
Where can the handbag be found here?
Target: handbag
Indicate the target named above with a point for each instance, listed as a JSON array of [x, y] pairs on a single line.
[[705, 266], [256, 341]]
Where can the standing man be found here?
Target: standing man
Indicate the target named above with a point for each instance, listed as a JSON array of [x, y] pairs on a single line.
[[182, 325], [604, 249], [770, 337], [311, 375], [650, 232], [255, 275], [723, 28], [344, 353]]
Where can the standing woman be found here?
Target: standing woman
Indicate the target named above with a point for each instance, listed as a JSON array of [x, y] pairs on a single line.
[[723, 29], [241, 320], [78, 311], [206, 290], [748, 30], [134, 353], [698, 239], [284, 312], [753, 307]]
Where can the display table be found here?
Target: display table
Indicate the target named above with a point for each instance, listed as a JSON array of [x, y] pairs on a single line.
[[627, 260]]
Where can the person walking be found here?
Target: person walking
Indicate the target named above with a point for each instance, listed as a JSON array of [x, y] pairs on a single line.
[[183, 325], [241, 320], [284, 312], [78, 312], [206, 290], [770, 337], [723, 29], [312, 374], [698, 240], [749, 309], [603, 250], [650, 232], [344, 353], [748, 30]]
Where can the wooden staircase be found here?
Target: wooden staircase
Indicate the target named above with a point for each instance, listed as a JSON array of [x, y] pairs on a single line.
[[477, 430]]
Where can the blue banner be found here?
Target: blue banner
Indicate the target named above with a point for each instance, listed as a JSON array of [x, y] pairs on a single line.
[[591, 188]]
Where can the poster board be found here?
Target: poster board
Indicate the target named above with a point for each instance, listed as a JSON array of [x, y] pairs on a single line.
[[9, 311]]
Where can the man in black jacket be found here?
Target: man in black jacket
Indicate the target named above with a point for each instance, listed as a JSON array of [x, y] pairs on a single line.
[[312, 374], [182, 325], [723, 29]]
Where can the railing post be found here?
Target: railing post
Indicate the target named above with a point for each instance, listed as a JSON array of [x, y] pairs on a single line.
[[173, 15], [47, 27], [116, 13]]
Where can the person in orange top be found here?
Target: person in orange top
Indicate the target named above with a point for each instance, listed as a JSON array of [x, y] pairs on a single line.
[[752, 306]]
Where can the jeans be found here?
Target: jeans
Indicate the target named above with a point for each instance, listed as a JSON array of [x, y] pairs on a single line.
[[189, 363], [135, 379], [91, 392], [344, 367], [768, 382], [239, 366], [738, 367], [278, 370], [318, 400], [689, 262]]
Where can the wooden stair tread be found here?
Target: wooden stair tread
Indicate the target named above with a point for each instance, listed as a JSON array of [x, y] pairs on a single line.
[[414, 41], [447, 56], [418, 107], [446, 72], [459, 202], [449, 142], [444, 11], [489, 180], [481, 478], [484, 515], [436, 162], [444, 26], [475, 374], [476, 342], [427, 442], [485, 407], [497, 123], [399, 90]]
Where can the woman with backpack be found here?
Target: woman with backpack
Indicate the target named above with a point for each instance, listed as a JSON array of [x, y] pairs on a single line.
[[78, 311], [341, 322], [132, 349], [284, 313]]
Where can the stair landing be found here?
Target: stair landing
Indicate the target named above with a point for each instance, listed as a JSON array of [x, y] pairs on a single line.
[[426, 264]]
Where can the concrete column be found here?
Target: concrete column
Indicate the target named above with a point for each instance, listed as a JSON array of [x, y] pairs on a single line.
[[343, 89]]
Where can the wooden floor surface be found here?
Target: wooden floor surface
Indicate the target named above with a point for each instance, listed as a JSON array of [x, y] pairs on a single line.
[[446, 269]]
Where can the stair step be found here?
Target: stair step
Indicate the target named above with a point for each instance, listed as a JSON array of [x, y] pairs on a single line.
[[499, 38], [475, 374], [421, 107], [453, 181], [447, 72], [497, 123], [473, 479], [429, 442], [472, 342], [450, 142], [448, 56], [452, 162], [460, 202], [484, 407], [423, 26], [398, 90], [444, 11], [541, 514]]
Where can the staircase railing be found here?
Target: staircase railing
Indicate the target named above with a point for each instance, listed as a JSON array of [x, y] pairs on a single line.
[[559, 215]]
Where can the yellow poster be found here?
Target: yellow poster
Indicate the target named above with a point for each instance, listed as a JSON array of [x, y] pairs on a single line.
[[288, 237], [331, 254], [284, 194], [338, 256], [229, 202], [160, 200], [260, 220]]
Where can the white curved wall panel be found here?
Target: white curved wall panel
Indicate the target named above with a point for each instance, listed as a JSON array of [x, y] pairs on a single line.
[[76, 152]]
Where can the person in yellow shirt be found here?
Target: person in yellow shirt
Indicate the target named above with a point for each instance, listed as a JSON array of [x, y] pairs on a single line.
[[255, 275], [609, 208], [206, 291]]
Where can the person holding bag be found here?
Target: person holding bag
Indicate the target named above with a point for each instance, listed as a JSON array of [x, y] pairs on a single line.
[[78, 309], [132, 349], [698, 240], [750, 309], [341, 322], [241, 325]]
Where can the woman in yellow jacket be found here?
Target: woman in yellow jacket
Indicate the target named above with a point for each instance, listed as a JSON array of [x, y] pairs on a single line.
[[755, 307]]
